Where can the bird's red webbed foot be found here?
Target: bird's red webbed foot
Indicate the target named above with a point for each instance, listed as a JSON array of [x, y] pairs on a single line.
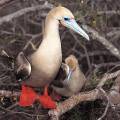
[[46, 100], [28, 96]]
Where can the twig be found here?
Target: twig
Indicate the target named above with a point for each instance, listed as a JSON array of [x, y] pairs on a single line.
[[95, 35], [16, 112], [110, 12], [83, 96], [113, 32], [108, 104], [12, 106], [34, 22], [114, 93], [3, 2], [30, 42], [107, 77], [105, 65], [85, 50], [21, 12], [72, 101], [95, 53], [9, 93]]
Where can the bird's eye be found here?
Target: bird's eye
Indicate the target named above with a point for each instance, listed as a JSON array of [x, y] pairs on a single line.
[[66, 18]]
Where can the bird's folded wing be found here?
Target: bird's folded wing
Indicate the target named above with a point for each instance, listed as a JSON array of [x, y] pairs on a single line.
[[22, 67]]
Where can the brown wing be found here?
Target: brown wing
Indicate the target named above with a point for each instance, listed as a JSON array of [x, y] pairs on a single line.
[[62, 75], [22, 67]]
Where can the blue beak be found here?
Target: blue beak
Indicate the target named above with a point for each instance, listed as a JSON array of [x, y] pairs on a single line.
[[72, 24]]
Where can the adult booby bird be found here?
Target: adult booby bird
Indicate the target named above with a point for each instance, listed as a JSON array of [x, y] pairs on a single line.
[[74, 81], [46, 61]]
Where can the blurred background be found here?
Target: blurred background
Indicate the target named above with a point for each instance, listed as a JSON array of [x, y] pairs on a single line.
[[24, 32]]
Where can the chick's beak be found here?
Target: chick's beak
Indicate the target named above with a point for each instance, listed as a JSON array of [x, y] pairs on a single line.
[[72, 24]]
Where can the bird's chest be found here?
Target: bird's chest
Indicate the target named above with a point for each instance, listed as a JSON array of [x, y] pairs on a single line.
[[47, 65], [47, 59]]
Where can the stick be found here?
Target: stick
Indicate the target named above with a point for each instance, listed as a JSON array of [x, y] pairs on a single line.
[[78, 98], [73, 101], [8, 93], [95, 35], [21, 12]]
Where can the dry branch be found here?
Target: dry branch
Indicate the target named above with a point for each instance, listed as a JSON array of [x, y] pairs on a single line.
[[8, 93], [107, 77], [2, 2], [21, 12], [72, 101], [95, 35], [84, 96], [114, 93], [107, 106], [108, 12]]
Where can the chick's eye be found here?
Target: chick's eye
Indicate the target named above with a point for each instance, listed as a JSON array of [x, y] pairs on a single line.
[[66, 18]]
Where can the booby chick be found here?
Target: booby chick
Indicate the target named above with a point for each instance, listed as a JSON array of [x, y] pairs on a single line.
[[46, 60], [75, 79]]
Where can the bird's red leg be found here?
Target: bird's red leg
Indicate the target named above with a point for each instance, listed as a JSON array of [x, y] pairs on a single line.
[[28, 96], [46, 100]]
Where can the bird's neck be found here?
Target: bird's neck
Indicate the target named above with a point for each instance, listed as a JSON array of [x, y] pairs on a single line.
[[48, 57], [51, 29], [51, 36], [51, 44]]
